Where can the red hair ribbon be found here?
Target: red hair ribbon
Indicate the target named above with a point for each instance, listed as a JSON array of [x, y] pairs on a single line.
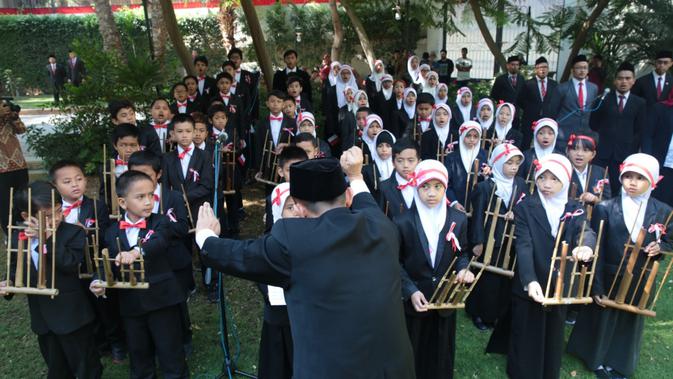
[[279, 194], [450, 236], [573, 137], [422, 173], [506, 152], [501, 102], [624, 165], [538, 166], [658, 229], [534, 125], [569, 215]]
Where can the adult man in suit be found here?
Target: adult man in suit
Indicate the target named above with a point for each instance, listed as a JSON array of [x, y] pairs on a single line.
[[620, 122], [75, 69], [56, 74], [325, 260], [508, 85], [280, 77], [535, 99], [656, 86], [573, 101]]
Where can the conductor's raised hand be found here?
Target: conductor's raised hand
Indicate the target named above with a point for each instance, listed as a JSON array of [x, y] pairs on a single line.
[[419, 302], [351, 163], [207, 219]]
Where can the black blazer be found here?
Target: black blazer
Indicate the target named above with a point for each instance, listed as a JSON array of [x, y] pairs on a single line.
[[261, 138], [502, 89], [235, 109], [532, 105], [304, 105], [179, 253], [322, 266], [71, 308], [619, 134], [75, 72], [280, 82], [457, 117], [535, 243], [330, 110], [164, 289], [209, 87], [347, 128], [597, 174], [529, 156], [372, 177], [391, 199], [657, 136], [192, 106], [513, 135], [418, 273], [615, 235], [646, 88], [87, 217], [430, 143], [56, 77], [199, 181], [458, 175]]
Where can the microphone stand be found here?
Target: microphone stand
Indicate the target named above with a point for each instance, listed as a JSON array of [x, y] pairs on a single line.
[[229, 365]]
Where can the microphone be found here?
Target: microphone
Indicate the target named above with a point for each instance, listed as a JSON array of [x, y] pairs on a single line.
[[223, 137], [605, 93]]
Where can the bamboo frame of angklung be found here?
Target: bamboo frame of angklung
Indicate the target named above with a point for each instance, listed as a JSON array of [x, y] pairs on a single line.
[[109, 176], [127, 272], [22, 274], [470, 183], [643, 286], [192, 224], [450, 294], [229, 159], [268, 167], [569, 294], [93, 243], [504, 268]]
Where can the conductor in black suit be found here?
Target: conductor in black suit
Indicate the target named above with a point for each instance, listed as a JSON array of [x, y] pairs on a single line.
[[340, 270], [56, 75], [535, 99], [621, 122], [658, 84], [75, 69], [280, 77], [508, 85]]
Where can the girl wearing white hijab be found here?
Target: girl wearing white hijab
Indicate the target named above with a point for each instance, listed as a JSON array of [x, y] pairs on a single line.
[[345, 79], [485, 113], [334, 69], [423, 71], [430, 84], [442, 96], [387, 91], [544, 141], [374, 79], [413, 70], [537, 338], [461, 164], [503, 131], [432, 234], [351, 101], [464, 109], [490, 299], [373, 126], [362, 99], [436, 140], [409, 104], [306, 124], [608, 340]]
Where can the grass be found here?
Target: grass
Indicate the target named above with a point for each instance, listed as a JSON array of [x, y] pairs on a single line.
[[35, 102], [20, 357]]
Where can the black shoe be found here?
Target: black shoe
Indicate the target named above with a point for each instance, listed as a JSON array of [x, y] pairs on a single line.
[[602, 373], [118, 353], [614, 374], [479, 323]]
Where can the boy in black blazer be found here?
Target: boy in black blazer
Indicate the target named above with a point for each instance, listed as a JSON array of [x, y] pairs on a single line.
[[396, 194], [150, 315], [233, 102], [182, 103], [124, 112], [207, 86], [63, 323]]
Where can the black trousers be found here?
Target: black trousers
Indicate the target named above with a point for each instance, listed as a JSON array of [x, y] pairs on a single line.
[[156, 334], [275, 352], [71, 355], [664, 190], [17, 179]]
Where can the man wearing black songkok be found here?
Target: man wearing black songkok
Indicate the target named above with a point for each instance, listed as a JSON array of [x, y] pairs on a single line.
[[339, 268]]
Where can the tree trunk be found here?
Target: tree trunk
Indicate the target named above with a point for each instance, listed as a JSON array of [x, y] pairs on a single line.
[[258, 41], [159, 35], [108, 29], [338, 31], [581, 36], [227, 20], [176, 38], [362, 34], [483, 28]]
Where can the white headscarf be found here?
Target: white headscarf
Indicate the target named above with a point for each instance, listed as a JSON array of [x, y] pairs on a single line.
[[387, 93], [385, 166], [360, 93], [375, 76], [430, 89], [634, 207], [554, 206], [444, 100], [279, 195], [465, 110], [432, 219], [352, 107], [414, 74], [371, 142], [485, 124], [539, 124], [341, 85], [409, 109], [306, 116], [421, 79], [332, 76], [467, 156], [501, 131], [501, 154], [443, 132]]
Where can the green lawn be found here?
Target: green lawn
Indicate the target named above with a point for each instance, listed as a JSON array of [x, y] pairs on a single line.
[[35, 102], [20, 358]]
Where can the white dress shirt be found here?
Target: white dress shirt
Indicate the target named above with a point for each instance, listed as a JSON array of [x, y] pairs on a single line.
[[73, 216], [184, 162], [132, 233], [275, 128]]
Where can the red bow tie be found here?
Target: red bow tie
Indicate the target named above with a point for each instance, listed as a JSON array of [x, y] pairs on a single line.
[[127, 225], [69, 208], [274, 118], [192, 97], [203, 77], [421, 119], [412, 181], [161, 126], [119, 162], [224, 96], [184, 152], [183, 104]]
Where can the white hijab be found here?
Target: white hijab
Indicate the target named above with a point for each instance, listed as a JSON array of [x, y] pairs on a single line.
[[371, 142], [332, 76], [504, 185], [278, 197], [444, 100], [501, 131], [428, 88], [442, 132], [352, 107], [541, 152], [387, 93], [465, 110], [633, 208], [409, 109], [421, 79], [467, 156], [414, 74], [306, 116], [554, 206], [360, 93], [376, 76], [485, 124], [385, 166], [432, 219], [341, 85]]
